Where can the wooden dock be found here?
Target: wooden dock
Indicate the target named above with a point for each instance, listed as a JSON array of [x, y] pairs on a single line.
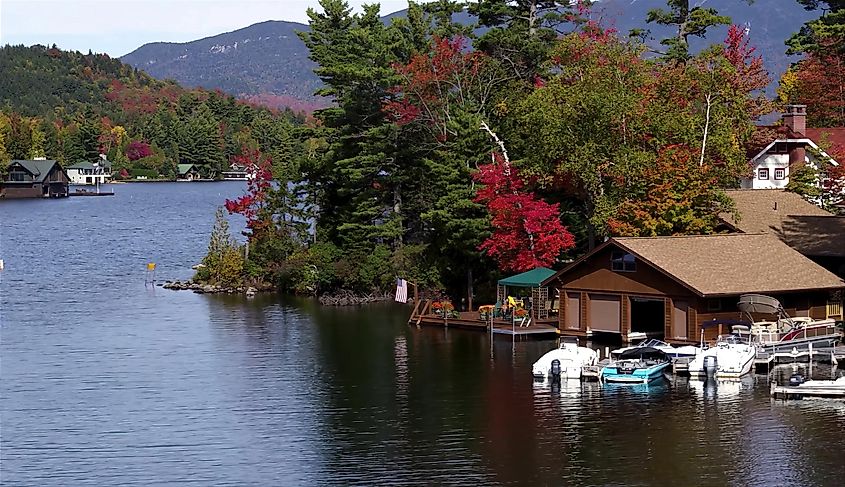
[[473, 320], [90, 193], [799, 392]]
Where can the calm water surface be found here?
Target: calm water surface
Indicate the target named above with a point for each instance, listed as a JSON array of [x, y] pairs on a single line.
[[106, 382]]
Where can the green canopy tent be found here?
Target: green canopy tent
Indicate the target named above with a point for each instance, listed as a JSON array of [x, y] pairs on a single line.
[[532, 280]]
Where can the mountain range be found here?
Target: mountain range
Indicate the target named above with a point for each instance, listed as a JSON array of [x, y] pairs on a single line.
[[268, 64]]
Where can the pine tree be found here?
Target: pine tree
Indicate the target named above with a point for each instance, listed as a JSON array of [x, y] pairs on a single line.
[[690, 21]]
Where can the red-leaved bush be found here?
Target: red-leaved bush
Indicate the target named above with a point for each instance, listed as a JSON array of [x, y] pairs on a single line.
[[527, 231]]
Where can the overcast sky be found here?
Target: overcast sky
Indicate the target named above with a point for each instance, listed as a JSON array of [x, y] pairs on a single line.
[[118, 27]]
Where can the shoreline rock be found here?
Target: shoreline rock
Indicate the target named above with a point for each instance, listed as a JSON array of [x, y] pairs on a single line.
[[199, 288], [349, 298]]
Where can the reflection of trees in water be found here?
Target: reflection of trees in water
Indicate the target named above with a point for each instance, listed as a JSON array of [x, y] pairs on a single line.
[[268, 365], [402, 401]]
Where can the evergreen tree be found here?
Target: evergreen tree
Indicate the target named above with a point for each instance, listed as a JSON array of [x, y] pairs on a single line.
[[690, 21], [520, 33], [822, 36], [357, 179]]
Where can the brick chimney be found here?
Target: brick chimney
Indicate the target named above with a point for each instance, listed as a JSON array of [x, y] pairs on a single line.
[[795, 118]]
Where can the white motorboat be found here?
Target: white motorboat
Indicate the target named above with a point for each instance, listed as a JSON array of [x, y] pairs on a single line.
[[639, 365], [731, 358], [672, 351], [571, 357]]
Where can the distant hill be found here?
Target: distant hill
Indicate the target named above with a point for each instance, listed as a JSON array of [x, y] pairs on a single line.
[[268, 64], [263, 60]]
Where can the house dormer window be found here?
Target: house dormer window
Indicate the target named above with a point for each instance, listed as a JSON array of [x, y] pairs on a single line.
[[780, 148], [622, 262], [780, 173], [763, 173]]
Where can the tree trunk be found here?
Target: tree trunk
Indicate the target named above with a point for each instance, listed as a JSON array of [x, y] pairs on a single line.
[[532, 19], [709, 98], [469, 289], [397, 209]]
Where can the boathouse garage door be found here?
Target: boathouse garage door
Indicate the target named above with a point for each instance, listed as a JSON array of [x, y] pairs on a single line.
[[605, 313]]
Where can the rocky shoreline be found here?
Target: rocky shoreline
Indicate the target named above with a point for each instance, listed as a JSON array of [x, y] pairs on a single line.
[[200, 288], [340, 298], [349, 298]]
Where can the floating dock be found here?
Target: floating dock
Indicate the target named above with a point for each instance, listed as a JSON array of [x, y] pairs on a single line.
[[90, 193], [831, 391]]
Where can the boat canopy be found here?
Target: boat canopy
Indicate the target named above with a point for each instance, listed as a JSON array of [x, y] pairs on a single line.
[[759, 303], [644, 353], [532, 278]]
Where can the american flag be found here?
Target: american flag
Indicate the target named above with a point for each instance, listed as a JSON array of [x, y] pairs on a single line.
[[401, 291]]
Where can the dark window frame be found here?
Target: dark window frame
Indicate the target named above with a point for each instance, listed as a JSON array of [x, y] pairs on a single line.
[[782, 171], [761, 171], [622, 262]]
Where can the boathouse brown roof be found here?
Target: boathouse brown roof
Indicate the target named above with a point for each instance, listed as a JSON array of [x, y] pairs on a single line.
[[726, 264], [801, 224], [766, 210]]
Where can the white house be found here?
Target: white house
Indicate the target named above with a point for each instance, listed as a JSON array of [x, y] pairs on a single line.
[[85, 173], [788, 150]]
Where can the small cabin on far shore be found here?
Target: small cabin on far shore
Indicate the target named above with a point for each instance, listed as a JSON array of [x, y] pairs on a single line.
[[670, 287], [42, 178]]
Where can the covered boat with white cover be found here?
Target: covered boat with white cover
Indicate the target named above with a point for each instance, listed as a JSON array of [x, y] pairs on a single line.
[[572, 359], [731, 358], [671, 351]]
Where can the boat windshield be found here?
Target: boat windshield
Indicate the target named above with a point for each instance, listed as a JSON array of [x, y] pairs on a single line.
[[653, 342], [732, 340]]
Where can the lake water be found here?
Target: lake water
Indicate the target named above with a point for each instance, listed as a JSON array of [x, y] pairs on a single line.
[[107, 382]]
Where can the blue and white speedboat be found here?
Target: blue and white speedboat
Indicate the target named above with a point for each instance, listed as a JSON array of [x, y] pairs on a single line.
[[639, 365]]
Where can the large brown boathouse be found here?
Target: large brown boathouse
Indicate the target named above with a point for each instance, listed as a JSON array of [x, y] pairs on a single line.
[[665, 287]]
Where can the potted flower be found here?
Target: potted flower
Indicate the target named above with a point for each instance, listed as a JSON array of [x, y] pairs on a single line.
[[437, 306], [520, 313]]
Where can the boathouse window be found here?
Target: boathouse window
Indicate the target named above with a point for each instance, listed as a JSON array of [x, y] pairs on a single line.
[[780, 148], [763, 173], [714, 305], [622, 262], [780, 173]]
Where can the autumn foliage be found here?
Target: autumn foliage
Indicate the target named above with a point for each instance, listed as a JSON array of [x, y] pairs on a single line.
[[527, 231], [818, 81], [677, 196], [138, 150], [253, 204]]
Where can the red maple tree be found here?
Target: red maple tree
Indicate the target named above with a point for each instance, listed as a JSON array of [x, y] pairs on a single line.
[[527, 231], [253, 204]]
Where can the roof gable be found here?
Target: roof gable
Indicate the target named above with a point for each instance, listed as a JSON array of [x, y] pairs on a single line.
[[725, 264], [39, 169]]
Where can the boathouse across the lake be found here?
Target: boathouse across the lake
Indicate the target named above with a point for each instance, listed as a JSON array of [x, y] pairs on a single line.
[[669, 287], [40, 178]]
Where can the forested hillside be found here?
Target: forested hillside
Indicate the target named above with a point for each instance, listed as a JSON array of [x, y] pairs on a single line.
[[72, 107]]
